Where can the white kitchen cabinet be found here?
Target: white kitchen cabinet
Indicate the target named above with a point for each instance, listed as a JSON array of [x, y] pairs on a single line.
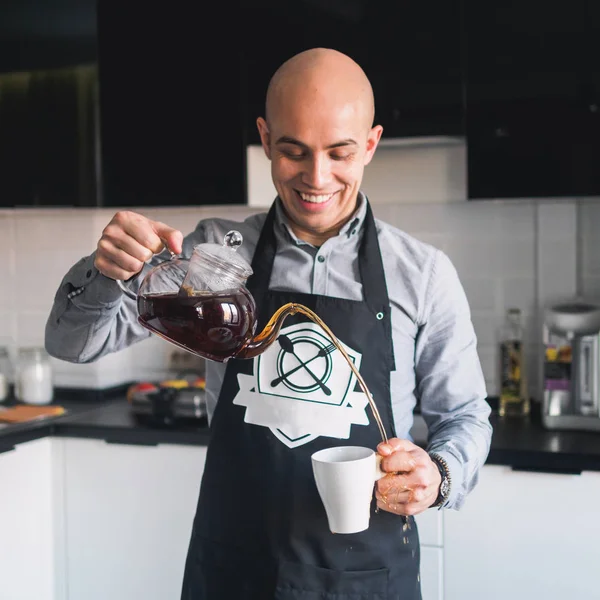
[[86, 520], [432, 573], [430, 524], [128, 518], [523, 535], [431, 527], [27, 532]]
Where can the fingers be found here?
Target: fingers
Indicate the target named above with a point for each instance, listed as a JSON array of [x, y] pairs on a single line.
[[398, 455], [400, 495], [172, 238], [129, 240], [412, 481], [394, 444], [401, 489], [400, 461], [407, 508], [394, 494]]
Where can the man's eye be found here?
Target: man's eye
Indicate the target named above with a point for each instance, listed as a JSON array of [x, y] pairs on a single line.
[[341, 156], [293, 155]]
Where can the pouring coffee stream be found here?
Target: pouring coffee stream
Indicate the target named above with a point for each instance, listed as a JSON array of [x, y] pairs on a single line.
[[203, 306]]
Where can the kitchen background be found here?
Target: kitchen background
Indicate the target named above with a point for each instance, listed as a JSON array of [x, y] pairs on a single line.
[[491, 116], [488, 151], [522, 253], [488, 148]]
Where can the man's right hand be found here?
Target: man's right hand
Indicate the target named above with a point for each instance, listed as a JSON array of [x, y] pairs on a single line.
[[129, 240]]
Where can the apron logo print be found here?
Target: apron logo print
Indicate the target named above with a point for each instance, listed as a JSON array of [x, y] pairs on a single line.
[[289, 376], [302, 388]]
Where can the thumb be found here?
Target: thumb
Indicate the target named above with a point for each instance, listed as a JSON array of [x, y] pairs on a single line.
[[172, 238]]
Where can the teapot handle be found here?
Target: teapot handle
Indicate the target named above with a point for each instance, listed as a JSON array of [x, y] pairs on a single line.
[[126, 290], [131, 294]]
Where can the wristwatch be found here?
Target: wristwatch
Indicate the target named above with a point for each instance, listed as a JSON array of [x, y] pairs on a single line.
[[446, 483]]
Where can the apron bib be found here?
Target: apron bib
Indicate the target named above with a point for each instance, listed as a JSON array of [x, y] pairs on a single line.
[[261, 531]]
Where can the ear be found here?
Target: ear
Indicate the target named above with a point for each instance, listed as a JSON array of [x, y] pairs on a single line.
[[265, 136], [372, 141]]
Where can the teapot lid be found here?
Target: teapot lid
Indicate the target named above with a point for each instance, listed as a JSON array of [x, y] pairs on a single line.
[[226, 256]]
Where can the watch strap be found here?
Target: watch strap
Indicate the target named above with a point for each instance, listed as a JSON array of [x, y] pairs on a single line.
[[446, 483]]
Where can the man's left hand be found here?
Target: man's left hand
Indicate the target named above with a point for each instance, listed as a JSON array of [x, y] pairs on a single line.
[[413, 480]]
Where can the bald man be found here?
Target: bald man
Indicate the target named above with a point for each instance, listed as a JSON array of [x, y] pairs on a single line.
[[261, 530]]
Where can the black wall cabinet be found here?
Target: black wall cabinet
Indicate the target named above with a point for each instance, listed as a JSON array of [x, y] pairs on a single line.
[[277, 30], [586, 146], [46, 34], [179, 88], [413, 60], [47, 138], [170, 110], [47, 86], [532, 110]]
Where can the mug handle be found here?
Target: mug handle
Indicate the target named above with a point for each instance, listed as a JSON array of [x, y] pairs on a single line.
[[378, 472]]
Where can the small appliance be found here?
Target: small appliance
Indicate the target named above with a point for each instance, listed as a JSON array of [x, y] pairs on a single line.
[[571, 366], [169, 403]]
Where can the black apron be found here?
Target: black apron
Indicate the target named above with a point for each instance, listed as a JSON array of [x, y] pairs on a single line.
[[261, 531]]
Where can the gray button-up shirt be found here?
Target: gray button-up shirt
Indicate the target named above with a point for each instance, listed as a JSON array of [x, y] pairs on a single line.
[[434, 341]]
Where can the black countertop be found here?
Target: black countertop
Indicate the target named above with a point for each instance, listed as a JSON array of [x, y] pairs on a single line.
[[108, 419], [522, 444]]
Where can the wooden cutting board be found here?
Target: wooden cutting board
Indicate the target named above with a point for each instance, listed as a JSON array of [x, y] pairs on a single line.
[[22, 414]]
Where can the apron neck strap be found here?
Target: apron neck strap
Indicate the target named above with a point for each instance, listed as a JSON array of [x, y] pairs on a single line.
[[369, 263]]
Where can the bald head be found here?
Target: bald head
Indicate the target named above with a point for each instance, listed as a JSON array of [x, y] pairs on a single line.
[[319, 136], [320, 75]]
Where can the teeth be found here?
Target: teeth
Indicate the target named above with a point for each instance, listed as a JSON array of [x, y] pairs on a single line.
[[315, 199]]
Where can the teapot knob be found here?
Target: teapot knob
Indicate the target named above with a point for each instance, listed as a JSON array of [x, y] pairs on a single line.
[[233, 239]]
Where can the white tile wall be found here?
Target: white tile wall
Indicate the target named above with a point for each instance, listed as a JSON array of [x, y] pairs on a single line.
[[8, 292], [507, 253], [37, 248], [589, 217], [522, 253]]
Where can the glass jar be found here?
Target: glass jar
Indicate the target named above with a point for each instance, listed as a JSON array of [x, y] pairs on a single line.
[[5, 374], [33, 381]]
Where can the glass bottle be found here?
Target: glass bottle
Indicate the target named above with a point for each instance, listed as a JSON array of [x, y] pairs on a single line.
[[33, 380], [514, 395], [5, 374]]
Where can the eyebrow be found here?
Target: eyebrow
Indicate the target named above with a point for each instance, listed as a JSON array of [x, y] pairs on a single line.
[[290, 140]]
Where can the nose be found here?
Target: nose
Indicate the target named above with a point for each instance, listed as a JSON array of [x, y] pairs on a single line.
[[317, 172]]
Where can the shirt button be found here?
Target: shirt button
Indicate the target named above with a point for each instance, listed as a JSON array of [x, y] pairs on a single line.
[[89, 273], [321, 259]]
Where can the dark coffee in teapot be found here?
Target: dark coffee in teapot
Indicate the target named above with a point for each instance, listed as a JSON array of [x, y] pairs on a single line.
[[213, 325], [220, 326]]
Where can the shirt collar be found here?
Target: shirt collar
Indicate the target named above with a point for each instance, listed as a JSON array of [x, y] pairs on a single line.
[[353, 224]]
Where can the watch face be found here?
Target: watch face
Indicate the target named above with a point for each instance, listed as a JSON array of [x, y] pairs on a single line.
[[445, 487]]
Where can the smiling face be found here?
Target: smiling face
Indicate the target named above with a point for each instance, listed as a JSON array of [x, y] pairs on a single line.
[[319, 138]]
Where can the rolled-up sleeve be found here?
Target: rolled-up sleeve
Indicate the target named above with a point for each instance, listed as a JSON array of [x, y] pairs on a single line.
[[450, 381], [90, 316]]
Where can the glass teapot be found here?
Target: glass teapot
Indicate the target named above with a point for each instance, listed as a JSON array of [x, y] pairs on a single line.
[[203, 305]]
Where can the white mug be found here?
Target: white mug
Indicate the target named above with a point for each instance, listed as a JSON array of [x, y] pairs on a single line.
[[345, 476]]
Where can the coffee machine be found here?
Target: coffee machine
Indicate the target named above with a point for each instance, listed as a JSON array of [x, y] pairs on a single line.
[[571, 366]]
